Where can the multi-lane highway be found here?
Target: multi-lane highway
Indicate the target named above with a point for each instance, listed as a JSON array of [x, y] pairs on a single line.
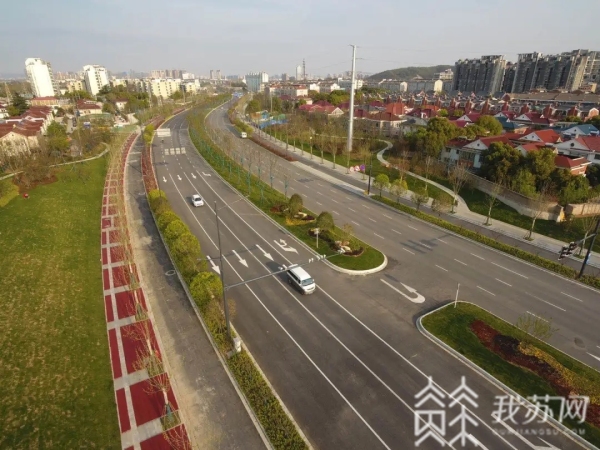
[[348, 361]]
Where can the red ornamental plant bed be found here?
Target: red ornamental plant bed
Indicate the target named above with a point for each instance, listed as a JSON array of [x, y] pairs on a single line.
[[508, 348], [333, 245], [272, 148]]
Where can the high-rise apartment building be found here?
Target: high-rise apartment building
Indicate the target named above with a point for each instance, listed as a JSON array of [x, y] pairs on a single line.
[[95, 78], [299, 73], [509, 77], [482, 76], [256, 81], [40, 76]]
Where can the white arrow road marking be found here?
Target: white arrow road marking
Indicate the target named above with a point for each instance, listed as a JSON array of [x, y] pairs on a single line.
[[164, 180], [518, 435], [206, 174], [284, 246], [178, 177], [193, 176], [243, 261], [267, 255], [594, 356], [418, 299], [213, 265]]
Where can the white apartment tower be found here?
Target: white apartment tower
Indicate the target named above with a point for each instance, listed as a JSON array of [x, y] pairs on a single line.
[[40, 76], [95, 78], [256, 81]]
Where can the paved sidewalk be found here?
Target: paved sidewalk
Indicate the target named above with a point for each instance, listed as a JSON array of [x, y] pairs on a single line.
[[462, 210]]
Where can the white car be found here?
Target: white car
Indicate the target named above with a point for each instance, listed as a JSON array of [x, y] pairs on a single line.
[[197, 200]]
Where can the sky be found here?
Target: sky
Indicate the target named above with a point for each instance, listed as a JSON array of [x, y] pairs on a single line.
[[241, 36]]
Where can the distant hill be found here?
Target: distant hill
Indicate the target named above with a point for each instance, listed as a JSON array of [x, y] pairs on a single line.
[[406, 73]]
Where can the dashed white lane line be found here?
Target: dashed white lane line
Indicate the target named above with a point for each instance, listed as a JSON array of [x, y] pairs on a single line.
[[440, 267], [355, 223], [320, 184], [442, 241], [332, 190], [353, 210], [378, 235], [389, 217], [348, 198], [535, 315], [516, 273], [335, 212], [365, 206], [503, 282], [333, 200], [320, 204], [425, 245], [547, 302], [372, 220], [459, 261], [477, 256], [574, 298], [407, 250], [395, 231], [485, 290], [318, 192], [412, 227]]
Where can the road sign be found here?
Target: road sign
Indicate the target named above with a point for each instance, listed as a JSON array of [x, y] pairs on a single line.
[[362, 167], [357, 168]]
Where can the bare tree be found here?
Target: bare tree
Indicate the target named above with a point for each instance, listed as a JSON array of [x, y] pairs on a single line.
[[535, 327], [273, 161], [538, 204], [491, 200], [587, 224], [260, 157], [420, 196], [161, 383], [458, 177], [177, 439]]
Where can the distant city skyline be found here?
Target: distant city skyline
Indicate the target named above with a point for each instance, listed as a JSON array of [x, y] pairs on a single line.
[[199, 37]]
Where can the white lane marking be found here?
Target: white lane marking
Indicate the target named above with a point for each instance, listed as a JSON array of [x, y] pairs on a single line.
[[320, 184], [389, 217], [407, 250], [320, 204], [332, 190], [395, 231], [477, 256], [516, 273], [441, 240], [378, 235], [352, 210], [594, 356], [365, 206], [335, 212], [458, 261], [440, 267], [318, 192], [574, 298], [485, 290], [348, 198], [412, 227], [547, 302], [535, 315], [424, 245], [372, 220], [503, 282], [333, 200], [355, 223], [418, 299]]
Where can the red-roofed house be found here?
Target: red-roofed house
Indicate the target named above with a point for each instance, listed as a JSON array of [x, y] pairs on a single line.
[[545, 136], [15, 140], [585, 146], [87, 107], [470, 153], [471, 117], [398, 108], [532, 147], [577, 166], [384, 123]]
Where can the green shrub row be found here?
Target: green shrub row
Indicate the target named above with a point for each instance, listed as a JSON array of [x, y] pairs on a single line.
[[8, 191], [207, 291], [514, 251]]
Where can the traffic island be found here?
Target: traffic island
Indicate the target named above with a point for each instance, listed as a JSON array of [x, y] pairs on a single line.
[[517, 359]]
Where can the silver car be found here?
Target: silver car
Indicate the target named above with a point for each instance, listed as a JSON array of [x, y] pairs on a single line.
[[197, 200]]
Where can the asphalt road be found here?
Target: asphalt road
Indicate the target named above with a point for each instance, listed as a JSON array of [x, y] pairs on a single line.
[[347, 361]]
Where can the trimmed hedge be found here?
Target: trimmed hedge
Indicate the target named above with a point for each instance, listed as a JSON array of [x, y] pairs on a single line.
[[509, 249]]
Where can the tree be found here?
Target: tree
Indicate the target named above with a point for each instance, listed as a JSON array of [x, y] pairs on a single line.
[[108, 107], [473, 131], [205, 287], [576, 191], [253, 106], [177, 95], [420, 196], [295, 205], [441, 202], [541, 164], [458, 177], [593, 174], [325, 222], [18, 105], [491, 199], [499, 162], [443, 112], [276, 104], [56, 138], [574, 119], [381, 182], [490, 123], [398, 188], [538, 204], [535, 327], [78, 95], [586, 226], [523, 182]]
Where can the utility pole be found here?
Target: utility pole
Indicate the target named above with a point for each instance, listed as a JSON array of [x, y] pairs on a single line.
[[225, 305], [587, 255], [351, 123]]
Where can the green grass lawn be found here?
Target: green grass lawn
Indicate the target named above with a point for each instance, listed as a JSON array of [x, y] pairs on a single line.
[[57, 383], [451, 325]]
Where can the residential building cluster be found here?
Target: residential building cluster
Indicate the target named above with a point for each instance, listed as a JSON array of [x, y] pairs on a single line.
[[20, 134]]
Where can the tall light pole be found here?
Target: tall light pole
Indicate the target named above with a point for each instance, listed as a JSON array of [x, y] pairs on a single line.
[[587, 255], [225, 305], [351, 123]]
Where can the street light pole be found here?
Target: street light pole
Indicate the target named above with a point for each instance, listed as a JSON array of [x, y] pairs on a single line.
[[225, 305], [587, 255], [370, 169], [351, 123]]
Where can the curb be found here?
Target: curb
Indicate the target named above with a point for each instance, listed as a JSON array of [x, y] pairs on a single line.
[[493, 380], [379, 268]]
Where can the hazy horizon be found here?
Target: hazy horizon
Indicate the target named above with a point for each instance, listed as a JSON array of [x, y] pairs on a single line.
[[241, 36]]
